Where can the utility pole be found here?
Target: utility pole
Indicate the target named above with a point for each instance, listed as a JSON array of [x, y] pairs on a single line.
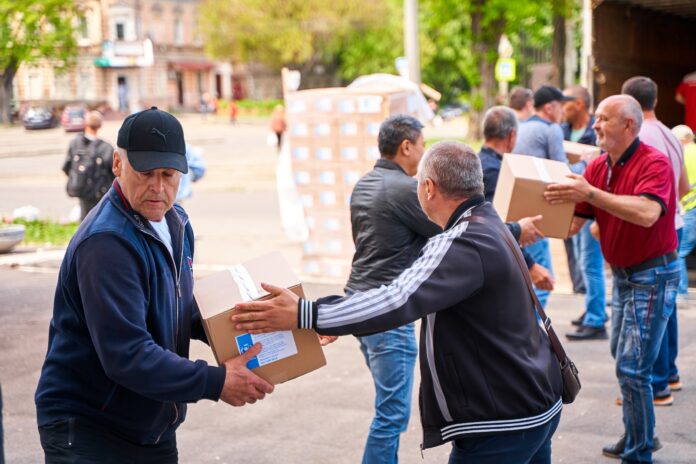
[[411, 39]]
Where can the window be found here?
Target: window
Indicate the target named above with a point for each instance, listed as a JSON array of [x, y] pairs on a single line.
[[178, 32], [120, 31], [84, 28]]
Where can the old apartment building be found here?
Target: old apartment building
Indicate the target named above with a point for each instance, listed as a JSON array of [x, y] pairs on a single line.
[[133, 54]]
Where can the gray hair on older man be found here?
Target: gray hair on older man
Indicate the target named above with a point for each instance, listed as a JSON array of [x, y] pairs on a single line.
[[455, 168]]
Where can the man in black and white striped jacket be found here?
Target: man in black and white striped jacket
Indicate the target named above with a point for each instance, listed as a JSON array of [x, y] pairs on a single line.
[[490, 381]]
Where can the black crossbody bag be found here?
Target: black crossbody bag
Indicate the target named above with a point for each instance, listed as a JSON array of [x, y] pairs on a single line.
[[569, 373]]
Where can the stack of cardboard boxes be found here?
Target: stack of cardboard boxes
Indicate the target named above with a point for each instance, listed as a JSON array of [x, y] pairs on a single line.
[[332, 137]]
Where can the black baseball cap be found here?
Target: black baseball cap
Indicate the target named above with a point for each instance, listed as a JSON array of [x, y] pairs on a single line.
[[154, 140], [547, 93]]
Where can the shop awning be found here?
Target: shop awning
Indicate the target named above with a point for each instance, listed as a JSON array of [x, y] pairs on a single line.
[[190, 65]]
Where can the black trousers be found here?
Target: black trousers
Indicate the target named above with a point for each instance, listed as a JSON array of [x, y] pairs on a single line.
[[76, 441]]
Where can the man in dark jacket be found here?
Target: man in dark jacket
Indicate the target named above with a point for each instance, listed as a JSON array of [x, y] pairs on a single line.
[[389, 231], [499, 129], [116, 378], [88, 165], [487, 367]]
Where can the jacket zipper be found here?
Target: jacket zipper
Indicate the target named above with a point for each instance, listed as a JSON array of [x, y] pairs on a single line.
[[177, 297]]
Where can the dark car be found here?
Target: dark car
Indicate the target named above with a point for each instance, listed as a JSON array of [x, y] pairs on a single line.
[[38, 117], [73, 118]]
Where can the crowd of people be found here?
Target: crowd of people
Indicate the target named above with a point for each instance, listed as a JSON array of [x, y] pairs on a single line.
[[429, 246]]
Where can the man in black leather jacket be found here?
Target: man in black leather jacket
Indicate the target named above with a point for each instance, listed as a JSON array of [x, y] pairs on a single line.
[[389, 231]]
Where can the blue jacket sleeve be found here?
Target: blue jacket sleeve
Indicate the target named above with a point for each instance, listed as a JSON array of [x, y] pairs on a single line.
[[555, 143], [424, 288], [115, 302]]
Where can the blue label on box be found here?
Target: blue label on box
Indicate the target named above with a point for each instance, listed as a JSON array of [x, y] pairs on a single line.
[[244, 342]]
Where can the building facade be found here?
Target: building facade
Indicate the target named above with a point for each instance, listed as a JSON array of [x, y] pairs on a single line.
[[132, 54]]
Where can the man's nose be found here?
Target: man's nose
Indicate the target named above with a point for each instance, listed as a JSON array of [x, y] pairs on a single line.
[[157, 183]]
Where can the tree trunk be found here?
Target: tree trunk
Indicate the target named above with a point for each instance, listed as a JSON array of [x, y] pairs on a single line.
[[558, 50], [6, 92], [485, 46]]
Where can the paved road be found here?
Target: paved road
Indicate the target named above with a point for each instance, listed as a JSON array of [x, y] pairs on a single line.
[[321, 417], [324, 416]]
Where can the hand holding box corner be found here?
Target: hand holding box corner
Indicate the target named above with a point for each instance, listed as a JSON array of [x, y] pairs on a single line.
[[241, 385], [286, 353]]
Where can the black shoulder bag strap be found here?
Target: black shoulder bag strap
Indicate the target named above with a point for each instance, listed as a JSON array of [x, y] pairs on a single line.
[[569, 373]]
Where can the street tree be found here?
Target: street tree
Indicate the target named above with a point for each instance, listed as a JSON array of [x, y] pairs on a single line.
[[33, 30], [459, 44], [282, 32]]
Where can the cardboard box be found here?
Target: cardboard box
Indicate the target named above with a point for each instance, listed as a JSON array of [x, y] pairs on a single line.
[[285, 355], [576, 151], [520, 193]]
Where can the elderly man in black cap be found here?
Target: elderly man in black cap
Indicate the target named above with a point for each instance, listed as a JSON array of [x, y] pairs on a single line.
[[116, 378]]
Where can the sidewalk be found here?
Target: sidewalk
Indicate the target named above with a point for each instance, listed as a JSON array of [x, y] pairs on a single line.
[[321, 417], [324, 416]]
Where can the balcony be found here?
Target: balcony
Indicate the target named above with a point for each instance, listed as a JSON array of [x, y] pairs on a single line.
[[121, 54]]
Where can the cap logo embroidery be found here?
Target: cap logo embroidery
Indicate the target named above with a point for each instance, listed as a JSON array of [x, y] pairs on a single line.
[[159, 132]]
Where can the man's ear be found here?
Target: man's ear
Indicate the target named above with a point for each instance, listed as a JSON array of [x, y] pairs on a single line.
[[429, 188], [116, 164], [405, 147]]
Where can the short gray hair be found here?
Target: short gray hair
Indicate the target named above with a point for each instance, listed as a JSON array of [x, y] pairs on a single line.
[[498, 122], [454, 168], [632, 110]]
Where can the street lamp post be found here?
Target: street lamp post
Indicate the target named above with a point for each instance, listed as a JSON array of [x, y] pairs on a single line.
[[411, 39]]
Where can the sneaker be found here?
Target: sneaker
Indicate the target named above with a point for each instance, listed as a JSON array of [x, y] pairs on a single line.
[[586, 332], [664, 400], [578, 322], [675, 384], [616, 450]]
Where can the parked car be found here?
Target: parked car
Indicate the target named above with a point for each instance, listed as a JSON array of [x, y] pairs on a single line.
[[10, 236], [73, 118], [453, 110], [38, 117]]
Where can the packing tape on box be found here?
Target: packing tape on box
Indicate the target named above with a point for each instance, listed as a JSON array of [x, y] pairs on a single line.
[[541, 170], [247, 288]]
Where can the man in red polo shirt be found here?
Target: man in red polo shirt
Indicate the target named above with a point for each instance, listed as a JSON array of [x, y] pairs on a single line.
[[629, 190]]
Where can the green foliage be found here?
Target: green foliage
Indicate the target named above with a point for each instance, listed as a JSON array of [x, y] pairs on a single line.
[[47, 232], [457, 37], [280, 32], [446, 58], [36, 29], [260, 105], [372, 50]]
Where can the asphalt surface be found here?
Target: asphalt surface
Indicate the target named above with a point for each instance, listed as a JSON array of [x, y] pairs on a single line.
[[320, 417], [324, 416]]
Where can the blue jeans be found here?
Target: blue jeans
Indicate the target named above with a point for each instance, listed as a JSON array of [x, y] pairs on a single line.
[[666, 363], [686, 246], [592, 263], [642, 304], [391, 357], [541, 253], [532, 446]]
